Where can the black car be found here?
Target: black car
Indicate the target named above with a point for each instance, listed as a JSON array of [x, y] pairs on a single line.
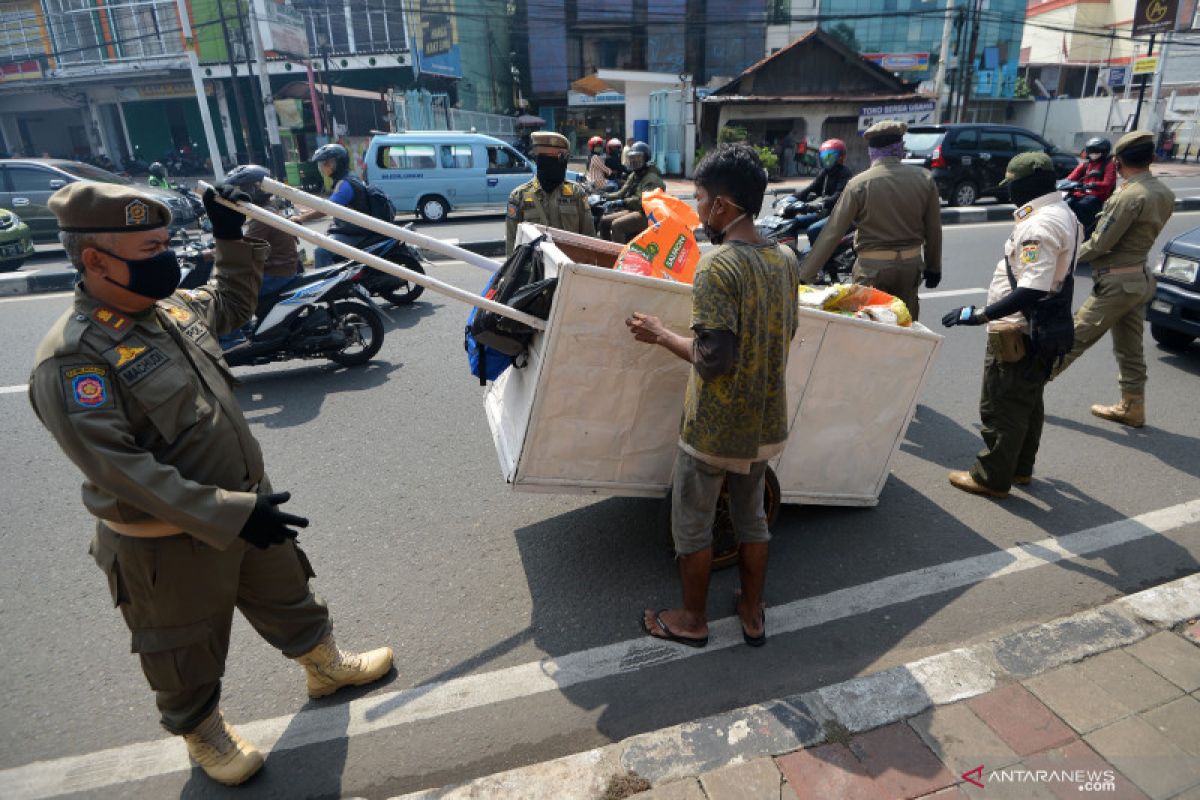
[[968, 160], [1174, 313]]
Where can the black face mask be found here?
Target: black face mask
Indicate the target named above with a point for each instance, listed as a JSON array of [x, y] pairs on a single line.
[[718, 236], [155, 277], [1022, 190], [551, 171]]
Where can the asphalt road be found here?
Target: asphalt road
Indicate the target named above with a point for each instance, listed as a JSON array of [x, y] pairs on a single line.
[[418, 543]]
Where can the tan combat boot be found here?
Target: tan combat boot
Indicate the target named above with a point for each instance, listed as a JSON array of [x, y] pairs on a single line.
[[221, 753], [1131, 410], [329, 668]]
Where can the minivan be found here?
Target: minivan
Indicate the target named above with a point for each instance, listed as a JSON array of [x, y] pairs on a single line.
[[968, 160], [435, 172]]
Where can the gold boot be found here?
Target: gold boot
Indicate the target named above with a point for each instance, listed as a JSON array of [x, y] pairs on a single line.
[[221, 753], [1131, 410], [329, 668]]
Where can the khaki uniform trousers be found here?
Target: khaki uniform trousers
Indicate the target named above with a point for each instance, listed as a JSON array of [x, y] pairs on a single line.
[[1118, 304], [900, 277], [622, 226], [1011, 410], [177, 595]]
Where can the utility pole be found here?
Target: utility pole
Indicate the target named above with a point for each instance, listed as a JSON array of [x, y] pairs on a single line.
[[243, 120], [330, 122], [968, 69], [210, 137], [943, 58], [268, 101], [1158, 76], [255, 94], [1137, 115]]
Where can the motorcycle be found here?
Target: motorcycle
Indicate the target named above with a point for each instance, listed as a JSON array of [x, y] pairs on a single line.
[[395, 290], [787, 226], [1073, 192], [599, 207], [196, 266], [196, 203], [324, 313]]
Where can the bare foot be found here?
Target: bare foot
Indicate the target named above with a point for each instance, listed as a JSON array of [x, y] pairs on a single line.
[[752, 619], [680, 621]]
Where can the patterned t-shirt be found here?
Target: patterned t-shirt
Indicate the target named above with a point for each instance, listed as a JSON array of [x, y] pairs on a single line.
[[749, 290]]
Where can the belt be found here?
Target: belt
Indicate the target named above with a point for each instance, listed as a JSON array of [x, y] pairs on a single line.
[[1098, 271], [911, 252], [146, 529]]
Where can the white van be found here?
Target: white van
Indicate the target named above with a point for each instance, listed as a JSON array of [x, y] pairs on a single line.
[[435, 172]]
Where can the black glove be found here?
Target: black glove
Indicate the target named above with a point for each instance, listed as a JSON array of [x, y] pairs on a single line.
[[613, 206], [226, 223], [932, 279], [964, 315], [268, 525]]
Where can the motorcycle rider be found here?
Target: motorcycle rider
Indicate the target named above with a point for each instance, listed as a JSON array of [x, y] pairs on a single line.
[[158, 176], [612, 159], [597, 170], [333, 161], [827, 187], [1098, 176], [626, 220]]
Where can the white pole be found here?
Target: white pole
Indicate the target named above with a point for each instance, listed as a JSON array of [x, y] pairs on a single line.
[[1156, 118], [939, 82], [379, 226], [125, 130], [264, 81], [210, 138], [226, 126], [371, 260]]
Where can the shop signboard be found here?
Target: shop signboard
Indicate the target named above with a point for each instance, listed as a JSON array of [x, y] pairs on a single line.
[[900, 62], [282, 28], [917, 112], [1154, 16]]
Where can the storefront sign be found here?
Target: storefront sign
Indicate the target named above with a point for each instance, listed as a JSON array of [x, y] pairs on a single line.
[[900, 62], [601, 99], [1154, 16], [1118, 76], [159, 91], [282, 28], [1147, 65], [918, 112]]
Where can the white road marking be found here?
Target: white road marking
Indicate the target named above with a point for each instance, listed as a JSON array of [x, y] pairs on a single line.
[[950, 293], [40, 296], [13, 389], [391, 709]]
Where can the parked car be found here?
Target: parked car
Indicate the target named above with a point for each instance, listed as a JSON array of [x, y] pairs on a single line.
[[1174, 312], [968, 160], [16, 243], [435, 172], [27, 183]]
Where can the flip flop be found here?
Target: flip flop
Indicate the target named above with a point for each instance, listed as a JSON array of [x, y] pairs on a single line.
[[690, 641], [753, 641]]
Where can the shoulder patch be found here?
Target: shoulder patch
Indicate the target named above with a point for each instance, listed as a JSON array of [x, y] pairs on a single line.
[[112, 320], [1022, 213], [567, 190], [1030, 252], [178, 313], [86, 387], [127, 354]]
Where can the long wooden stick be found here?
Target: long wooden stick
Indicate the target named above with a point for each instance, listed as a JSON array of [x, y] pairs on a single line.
[[372, 260]]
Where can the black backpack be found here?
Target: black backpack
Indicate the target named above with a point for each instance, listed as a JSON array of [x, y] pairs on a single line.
[[520, 283], [369, 200], [1051, 324]]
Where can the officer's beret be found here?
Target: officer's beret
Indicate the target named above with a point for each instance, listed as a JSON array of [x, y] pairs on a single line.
[[1134, 139], [550, 139], [93, 207], [1023, 165], [885, 132]]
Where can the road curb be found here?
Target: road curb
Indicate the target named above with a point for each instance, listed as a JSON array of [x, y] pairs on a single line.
[[36, 282], [791, 723]]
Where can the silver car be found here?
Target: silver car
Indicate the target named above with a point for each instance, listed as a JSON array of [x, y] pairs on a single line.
[[27, 183]]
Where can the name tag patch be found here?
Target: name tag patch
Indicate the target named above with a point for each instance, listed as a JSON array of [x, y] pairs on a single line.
[[146, 363]]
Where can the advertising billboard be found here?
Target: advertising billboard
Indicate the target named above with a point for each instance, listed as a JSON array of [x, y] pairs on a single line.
[[435, 28], [282, 27]]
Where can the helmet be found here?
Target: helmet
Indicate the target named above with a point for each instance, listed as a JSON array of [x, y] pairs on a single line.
[[614, 144], [246, 175], [832, 151], [1098, 144], [335, 153], [158, 170], [594, 142], [639, 155]]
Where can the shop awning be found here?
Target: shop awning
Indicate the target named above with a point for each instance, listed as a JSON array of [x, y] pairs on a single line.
[[298, 90], [590, 85]]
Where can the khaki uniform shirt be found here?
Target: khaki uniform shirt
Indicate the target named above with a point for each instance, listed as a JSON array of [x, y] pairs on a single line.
[[1130, 222], [636, 185], [144, 404], [1040, 249], [565, 208], [894, 205]]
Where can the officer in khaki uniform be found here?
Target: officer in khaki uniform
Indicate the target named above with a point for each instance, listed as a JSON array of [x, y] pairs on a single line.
[[132, 384], [1125, 232], [549, 199], [1038, 256], [898, 212]]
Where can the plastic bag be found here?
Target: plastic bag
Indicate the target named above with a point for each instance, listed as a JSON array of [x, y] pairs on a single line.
[[667, 248], [863, 302]]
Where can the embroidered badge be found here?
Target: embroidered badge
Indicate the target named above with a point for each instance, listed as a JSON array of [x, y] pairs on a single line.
[[1024, 212], [567, 190], [137, 213], [87, 387], [127, 354], [111, 319], [135, 371], [1029, 253], [178, 314]]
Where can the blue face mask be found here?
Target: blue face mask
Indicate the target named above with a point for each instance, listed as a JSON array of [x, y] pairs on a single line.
[[828, 158], [155, 277]]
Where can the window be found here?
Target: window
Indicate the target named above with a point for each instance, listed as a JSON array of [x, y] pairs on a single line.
[[967, 140], [457, 156], [32, 179], [408, 156], [505, 160], [992, 141], [1028, 144]]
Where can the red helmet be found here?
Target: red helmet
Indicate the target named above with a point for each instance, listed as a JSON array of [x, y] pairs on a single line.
[[595, 141], [614, 144], [836, 145]]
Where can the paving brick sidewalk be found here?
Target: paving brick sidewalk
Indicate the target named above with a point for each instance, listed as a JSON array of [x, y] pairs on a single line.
[[1104, 702]]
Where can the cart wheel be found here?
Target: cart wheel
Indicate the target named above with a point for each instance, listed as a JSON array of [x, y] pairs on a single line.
[[725, 552]]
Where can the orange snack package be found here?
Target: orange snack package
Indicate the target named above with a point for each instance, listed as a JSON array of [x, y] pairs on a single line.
[[667, 248]]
